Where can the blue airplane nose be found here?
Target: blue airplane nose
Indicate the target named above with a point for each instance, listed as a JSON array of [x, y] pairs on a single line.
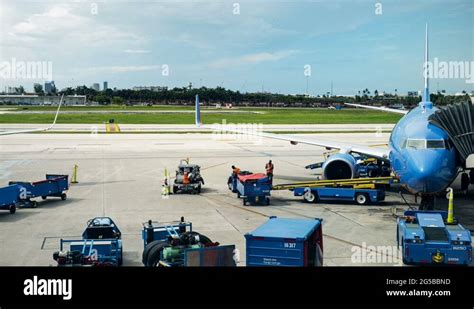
[[430, 171]]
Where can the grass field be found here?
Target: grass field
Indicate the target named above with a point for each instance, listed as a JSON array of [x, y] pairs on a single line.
[[264, 116]]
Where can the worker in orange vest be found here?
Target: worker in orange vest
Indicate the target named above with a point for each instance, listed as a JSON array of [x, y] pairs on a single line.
[[269, 168], [186, 178], [235, 171]]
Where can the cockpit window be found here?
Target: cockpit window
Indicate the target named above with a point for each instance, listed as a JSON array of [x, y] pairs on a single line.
[[416, 143], [425, 144], [435, 144]]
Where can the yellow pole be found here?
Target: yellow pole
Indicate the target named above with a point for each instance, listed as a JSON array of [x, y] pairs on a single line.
[[74, 174], [450, 205]]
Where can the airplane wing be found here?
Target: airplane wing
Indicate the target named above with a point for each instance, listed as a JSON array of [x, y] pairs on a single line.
[[385, 109], [39, 129], [293, 139]]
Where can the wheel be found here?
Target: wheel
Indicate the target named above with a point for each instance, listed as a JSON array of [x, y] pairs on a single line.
[[199, 189], [63, 196], [361, 198], [464, 181], [203, 239], [229, 184], [238, 195], [34, 204], [245, 201], [471, 176], [154, 255], [309, 197], [44, 197], [318, 261], [175, 189], [120, 261], [147, 249], [12, 209], [267, 201]]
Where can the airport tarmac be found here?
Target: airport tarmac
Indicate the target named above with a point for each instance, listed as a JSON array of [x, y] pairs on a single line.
[[120, 176]]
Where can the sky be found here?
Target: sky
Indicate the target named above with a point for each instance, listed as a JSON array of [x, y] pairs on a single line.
[[290, 47]]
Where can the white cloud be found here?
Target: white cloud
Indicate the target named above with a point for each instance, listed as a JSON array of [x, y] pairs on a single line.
[[251, 59]]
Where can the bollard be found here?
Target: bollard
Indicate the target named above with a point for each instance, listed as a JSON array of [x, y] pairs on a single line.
[[450, 197], [74, 174]]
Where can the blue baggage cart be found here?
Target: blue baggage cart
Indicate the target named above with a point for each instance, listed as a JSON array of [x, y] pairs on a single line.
[[254, 189], [342, 194], [101, 245], [52, 186], [9, 198]]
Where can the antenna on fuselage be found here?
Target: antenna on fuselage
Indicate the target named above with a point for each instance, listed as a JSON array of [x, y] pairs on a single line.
[[425, 101]]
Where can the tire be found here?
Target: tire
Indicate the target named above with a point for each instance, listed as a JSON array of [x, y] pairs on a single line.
[[199, 189], [318, 261], [245, 201], [309, 197], [175, 190], [267, 201], [471, 176], [229, 184], [154, 255], [12, 209], [147, 249], [203, 239], [34, 204], [362, 199], [464, 181], [44, 197], [63, 196]]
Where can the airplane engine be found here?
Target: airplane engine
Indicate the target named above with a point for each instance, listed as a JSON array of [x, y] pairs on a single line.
[[340, 166]]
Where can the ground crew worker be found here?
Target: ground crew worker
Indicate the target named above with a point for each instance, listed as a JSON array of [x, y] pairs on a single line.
[[269, 168], [186, 178], [235, 171]]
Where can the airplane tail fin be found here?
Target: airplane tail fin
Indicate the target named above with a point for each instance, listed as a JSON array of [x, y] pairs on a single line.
[[198, 112]]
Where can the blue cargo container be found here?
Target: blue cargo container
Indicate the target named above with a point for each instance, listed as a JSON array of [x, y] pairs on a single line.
[[286, 242]]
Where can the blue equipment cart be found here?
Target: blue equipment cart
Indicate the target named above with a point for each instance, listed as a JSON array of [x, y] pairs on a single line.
[[425, 238], [253, 188], [53, 185], [286, 242], [176, 244], [10, 198], [101, 245], [360, 196]]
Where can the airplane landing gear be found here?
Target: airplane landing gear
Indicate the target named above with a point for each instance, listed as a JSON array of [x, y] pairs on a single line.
[[471, 175], [427, 202]]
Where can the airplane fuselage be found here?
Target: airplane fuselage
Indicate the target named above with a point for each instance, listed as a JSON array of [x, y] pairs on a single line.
[[421, 154]]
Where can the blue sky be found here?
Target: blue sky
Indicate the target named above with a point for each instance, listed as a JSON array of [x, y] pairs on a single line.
[[266, 46]]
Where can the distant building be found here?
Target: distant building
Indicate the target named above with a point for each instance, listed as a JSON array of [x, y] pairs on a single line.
[[152, 88], [413, 93], [33, 99], [49, 87], [96, 86], [106, 86]]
